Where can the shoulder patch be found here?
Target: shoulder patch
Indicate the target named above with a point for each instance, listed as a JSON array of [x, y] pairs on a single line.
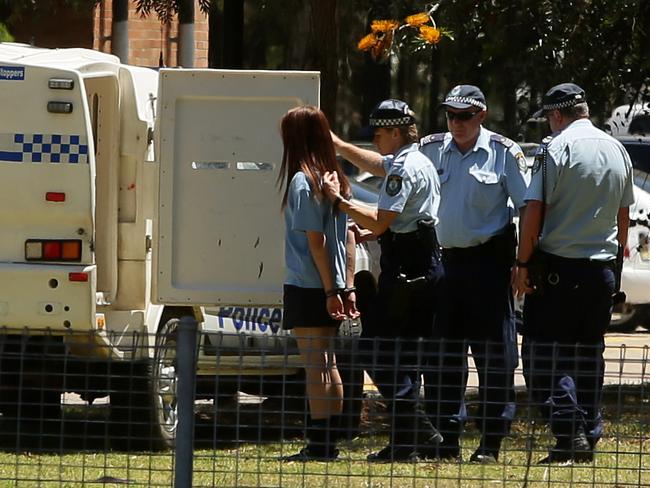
[[439, 137], [502, 140], [521, 162], [393, 185], [538, 161]]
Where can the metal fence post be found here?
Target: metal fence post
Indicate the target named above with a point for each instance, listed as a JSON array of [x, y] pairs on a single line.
[[185, 391]]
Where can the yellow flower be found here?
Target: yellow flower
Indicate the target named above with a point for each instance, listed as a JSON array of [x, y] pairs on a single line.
[[430, 34], [368, 42], [384, 25], [382, 49], [416, 20]]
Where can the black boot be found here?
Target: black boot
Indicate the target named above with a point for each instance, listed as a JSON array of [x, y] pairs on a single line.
[[576, 449], [412, 432], [487, 451], [321, 445]]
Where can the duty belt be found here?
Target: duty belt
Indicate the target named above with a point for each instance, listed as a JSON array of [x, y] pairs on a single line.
[[502, 244]]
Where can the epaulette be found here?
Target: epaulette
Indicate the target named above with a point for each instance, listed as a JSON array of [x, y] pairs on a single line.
[[439, 137], [502, 140], [547, 140]]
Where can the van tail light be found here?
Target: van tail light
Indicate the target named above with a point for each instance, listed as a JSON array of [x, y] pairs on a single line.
[[54, 196], [68, 250], [80, 277]]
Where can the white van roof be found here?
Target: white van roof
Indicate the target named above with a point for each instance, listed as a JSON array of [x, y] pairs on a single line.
[[79, 59]]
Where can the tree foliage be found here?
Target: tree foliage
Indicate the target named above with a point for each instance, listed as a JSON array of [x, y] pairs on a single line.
[[517, 49], [513, 49], [165, 10]]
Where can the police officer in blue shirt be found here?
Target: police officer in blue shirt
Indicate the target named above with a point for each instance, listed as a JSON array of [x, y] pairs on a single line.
[[577, 217], [405, 305], [482, 175]]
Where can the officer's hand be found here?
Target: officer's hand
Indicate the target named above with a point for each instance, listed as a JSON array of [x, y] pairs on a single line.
[[335, 307], [522, 286], [331, 185], [336, 139], [361, 234], [350, 304]]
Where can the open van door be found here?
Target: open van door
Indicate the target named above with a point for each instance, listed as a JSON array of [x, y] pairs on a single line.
[[219, 235]]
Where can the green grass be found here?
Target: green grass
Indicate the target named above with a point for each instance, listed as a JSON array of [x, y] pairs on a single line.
[[619, 462], [621, 459]]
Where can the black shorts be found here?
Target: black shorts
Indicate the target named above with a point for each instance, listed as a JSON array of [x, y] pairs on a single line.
[[305, 307]]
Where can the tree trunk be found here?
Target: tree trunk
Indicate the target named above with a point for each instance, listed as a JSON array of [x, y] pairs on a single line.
[[325, 52], [120, 41], [186, 33], [227, 35], [376, 76]]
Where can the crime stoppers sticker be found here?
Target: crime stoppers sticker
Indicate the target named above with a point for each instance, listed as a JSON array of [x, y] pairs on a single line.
[[12, 73]]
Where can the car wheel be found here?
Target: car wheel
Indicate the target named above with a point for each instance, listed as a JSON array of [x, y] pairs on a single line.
[[626, 318]]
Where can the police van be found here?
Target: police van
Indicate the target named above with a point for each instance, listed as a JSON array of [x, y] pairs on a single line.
[[130, 197]]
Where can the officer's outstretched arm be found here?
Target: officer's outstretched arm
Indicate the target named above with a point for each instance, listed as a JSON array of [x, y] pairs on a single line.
[[373, 219], [363, 159]]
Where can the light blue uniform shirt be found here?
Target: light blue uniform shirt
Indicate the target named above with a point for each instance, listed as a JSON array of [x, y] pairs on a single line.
[[478, 188], [304, 213], [589, 177], [411, 188]]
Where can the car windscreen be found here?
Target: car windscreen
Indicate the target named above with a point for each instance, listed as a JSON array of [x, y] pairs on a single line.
[[640, 154]]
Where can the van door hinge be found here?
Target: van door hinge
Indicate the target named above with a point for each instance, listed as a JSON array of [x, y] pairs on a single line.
[[147, 243]]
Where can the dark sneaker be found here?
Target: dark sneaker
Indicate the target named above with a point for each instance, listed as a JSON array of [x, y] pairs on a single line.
[[441, 452], [484, 457], [577, 450], [390, 453], [310, 454]]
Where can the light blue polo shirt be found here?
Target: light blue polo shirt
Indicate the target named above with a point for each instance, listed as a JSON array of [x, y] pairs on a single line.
[[411, 188], [478, 188], [304, 213], [589, 177]]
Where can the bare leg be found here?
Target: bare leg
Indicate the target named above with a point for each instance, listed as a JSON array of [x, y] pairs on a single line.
[[324, 386]]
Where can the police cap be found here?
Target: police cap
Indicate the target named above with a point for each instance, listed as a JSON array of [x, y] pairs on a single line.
[[561, 96], [391, 113], [465, 96]]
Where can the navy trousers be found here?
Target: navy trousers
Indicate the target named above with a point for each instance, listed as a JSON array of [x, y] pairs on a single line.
[[477, 313], [563, 344], [400, 316]]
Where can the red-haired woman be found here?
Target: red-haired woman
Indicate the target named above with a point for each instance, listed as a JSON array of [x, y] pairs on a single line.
[[319, 257]]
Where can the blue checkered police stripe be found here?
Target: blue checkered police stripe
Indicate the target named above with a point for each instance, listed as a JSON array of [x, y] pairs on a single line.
[[43, 148]]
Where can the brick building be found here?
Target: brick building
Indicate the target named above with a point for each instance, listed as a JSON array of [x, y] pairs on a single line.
[[148, 37], [93, 29]]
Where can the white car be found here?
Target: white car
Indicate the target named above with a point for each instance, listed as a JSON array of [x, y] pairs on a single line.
[[636, 265]]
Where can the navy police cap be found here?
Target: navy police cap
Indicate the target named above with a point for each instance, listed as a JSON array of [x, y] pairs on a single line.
[[465, 96], [391, 113], [561, 96]]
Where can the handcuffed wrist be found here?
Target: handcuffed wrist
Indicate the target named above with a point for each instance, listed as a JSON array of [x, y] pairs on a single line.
[[521, 264], [333, 292], [348, 290]]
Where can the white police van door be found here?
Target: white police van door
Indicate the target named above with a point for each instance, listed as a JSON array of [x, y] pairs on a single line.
[[219, 236]]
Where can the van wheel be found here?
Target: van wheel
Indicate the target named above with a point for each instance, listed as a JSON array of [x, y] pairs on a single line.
[[164, 382], [144, 406]]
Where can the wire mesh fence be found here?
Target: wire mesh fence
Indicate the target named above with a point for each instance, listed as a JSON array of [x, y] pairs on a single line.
[[73, 414]]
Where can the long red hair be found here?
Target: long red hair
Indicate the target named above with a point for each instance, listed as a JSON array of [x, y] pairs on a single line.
[[308, 147]]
